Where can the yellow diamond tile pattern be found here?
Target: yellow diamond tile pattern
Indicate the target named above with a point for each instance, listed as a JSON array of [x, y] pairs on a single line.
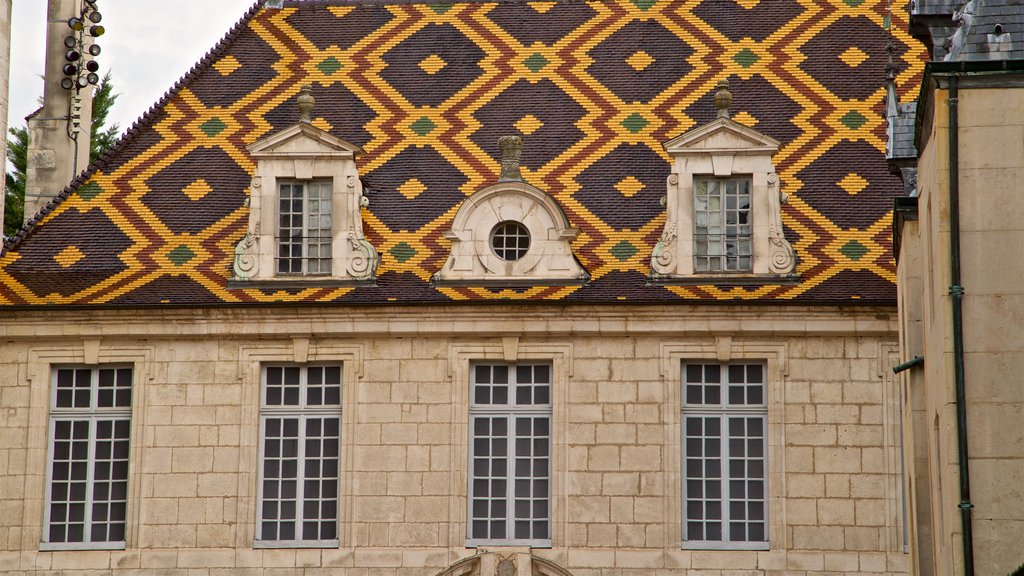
[[629, 186], [746, 118], [227, 65], [853, 56], [528, 124], [640, 60], [69, 256], [412, 188], [852, 184], [432, 64], [197, 190]]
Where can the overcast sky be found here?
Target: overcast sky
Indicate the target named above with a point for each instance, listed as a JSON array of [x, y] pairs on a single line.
[[148, 46]]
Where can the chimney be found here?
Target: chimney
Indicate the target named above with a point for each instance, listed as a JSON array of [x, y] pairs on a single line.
[[58, 134]]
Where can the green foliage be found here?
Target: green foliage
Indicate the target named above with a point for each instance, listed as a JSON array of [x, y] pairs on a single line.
[[1018, 572], [17, 156], [103, 137]]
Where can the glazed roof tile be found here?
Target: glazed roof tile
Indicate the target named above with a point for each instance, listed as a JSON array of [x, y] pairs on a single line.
[[601, 85]]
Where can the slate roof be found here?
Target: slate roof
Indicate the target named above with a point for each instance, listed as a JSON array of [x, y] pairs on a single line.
[[903, 133], [976, 37], [594, 87]]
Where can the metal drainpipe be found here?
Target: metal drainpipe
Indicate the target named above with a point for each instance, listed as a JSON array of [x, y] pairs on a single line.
[[957, 292]]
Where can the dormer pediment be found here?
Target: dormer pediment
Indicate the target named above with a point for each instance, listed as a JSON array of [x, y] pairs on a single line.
[[722, 135], [302, 140]]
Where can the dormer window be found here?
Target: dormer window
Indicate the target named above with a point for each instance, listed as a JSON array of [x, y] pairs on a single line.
[[304, 228], [724, 215], [305, 221], [510, 234]]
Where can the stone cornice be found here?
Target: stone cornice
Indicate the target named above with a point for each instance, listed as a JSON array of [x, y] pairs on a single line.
[[349, 322]]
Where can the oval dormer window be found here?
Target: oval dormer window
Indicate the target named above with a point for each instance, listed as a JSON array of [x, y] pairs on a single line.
[[510, 240]]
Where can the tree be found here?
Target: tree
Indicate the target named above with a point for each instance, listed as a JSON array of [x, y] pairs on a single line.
[[102, 101], [17, 155], [103, 137]]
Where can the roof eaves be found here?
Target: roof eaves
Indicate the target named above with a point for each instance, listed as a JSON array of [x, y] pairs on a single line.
[[145, 121]]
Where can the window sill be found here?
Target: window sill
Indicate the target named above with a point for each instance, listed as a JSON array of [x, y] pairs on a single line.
[[508, 545], [264, 544], [737, 279], [735, 546], [63, 546], [285, 283], [510, 282]]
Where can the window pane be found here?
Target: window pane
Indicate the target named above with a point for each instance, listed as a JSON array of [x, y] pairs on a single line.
[[510, 508], [724, 465], [299, 484]]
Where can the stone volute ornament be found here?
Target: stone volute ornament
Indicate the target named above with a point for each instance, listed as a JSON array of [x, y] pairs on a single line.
[[720, 152]]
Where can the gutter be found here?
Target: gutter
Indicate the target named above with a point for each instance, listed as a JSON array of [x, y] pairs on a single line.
[[957, 292]]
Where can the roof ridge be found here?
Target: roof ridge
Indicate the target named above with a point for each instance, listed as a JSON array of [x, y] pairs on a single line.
[[146, 120]]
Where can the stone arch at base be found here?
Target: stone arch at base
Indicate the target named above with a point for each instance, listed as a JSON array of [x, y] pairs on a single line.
[[511, 563]]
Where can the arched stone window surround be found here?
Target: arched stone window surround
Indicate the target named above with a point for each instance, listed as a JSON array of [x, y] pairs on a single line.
[[549, 259]]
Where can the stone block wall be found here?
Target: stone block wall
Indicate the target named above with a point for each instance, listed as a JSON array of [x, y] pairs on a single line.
[[833, 436]]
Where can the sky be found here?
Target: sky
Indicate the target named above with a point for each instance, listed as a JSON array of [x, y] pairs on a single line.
[[148, 46]]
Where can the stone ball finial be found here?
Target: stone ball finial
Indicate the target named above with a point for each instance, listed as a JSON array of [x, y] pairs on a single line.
[[723, 99], [511, 151], [306, 103]]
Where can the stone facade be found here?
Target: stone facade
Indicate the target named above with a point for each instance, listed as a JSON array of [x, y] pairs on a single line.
[[833, 435], [991, 212]]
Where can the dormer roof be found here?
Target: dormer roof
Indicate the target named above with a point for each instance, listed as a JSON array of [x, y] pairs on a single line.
[[722, 135], [302, 139]]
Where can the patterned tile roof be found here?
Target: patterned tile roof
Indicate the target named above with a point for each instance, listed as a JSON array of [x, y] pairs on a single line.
[[594, 87]]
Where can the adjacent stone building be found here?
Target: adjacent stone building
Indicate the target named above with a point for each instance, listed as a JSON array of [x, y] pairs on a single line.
[[959, 237], [310, 317]]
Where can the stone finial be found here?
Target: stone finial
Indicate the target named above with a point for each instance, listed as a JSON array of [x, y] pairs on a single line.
[[306, 102], [511, 150], [892, 69], [723, 99]]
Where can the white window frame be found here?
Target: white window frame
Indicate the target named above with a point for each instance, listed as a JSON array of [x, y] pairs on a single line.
[[300, 412], [91, 414], [325, 238], [737, 238], [511, 409], [723, 410]]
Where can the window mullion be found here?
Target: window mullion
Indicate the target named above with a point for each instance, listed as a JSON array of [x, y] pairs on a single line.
[[510, 505], [304, 244], [726, 477], [90, 477], [300, 473]]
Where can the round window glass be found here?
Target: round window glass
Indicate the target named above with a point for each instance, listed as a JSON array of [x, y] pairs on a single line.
[[510, 240]]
